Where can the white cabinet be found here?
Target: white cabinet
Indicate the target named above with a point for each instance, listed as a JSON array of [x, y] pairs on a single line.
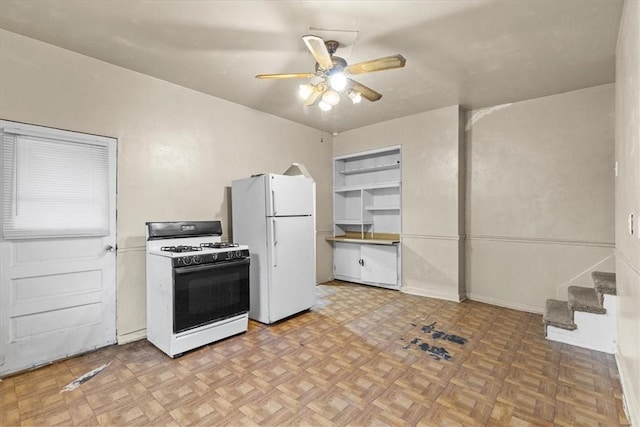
[[346, 261], [367, 216], [379, 264], [366, 263]]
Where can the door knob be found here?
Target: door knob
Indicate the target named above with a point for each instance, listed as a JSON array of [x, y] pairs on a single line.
[[109, 248]]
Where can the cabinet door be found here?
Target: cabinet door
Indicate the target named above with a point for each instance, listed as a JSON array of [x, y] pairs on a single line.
[[380, 264], [346, 261]]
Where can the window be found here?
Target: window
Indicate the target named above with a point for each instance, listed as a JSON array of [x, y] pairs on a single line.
[[54, 184]]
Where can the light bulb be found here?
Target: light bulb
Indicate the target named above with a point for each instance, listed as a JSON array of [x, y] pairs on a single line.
[[356, 97], [338, 81], [324, 106], [305, 91], [331, 97]]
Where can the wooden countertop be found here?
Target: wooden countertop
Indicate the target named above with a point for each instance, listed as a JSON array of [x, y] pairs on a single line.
[[376, 239]]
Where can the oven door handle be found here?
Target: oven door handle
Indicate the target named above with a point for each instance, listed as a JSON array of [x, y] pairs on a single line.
[[275, 242], [196, 268]]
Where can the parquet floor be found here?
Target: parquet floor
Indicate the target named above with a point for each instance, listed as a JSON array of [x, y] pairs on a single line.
[[363, 357]]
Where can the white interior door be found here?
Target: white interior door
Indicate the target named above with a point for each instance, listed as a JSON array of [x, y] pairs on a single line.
[[57, 283], [292, 266]]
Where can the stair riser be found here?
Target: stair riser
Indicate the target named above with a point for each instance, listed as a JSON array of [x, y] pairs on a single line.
[[595, 331]]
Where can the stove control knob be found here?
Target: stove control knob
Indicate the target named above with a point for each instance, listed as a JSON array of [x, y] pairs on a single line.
[[186, 260], [197, 259], [214, 256], [230, 255]]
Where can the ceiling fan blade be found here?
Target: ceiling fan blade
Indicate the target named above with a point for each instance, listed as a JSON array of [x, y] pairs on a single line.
[[380, 64], [367, 93], [319, 51], [286, 76], [318, 90]]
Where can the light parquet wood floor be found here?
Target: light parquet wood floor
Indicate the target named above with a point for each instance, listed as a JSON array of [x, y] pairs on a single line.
[[362, 357]]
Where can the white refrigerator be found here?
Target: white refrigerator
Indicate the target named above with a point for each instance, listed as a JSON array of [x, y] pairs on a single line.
[[273, 215]]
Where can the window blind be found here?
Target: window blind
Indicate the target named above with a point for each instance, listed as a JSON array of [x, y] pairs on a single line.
[[53, 188]]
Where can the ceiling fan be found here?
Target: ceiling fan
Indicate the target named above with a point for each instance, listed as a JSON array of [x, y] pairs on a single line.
[[333, 72]]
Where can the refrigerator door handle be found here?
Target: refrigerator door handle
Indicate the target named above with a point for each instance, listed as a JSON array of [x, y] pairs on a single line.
[[275, 242], [273, 202]]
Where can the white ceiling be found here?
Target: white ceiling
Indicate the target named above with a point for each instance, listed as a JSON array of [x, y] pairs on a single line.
[[475, 53]]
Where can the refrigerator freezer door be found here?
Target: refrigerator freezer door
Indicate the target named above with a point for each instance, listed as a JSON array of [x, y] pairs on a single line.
[[289, 195], [291, 266]]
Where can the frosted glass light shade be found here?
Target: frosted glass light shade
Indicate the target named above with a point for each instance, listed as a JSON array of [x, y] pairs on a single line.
[[324, 106], [331, 97], [305, 91]]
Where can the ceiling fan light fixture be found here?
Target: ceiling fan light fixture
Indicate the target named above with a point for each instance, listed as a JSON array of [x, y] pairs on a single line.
[[331, 97], [305, 91], [324, 106], [338, 81], [355, 96]]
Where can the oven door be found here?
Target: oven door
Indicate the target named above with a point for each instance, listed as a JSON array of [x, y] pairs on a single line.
[[207, 293]]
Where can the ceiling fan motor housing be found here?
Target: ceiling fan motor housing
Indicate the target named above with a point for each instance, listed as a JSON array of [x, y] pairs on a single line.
[[339, 64]]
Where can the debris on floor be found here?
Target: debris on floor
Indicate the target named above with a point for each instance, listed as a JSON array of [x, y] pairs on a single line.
[[435, 351], [84, 378], [436, 335]]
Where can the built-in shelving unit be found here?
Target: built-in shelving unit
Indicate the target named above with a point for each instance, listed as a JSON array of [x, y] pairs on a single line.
[[367, 217]]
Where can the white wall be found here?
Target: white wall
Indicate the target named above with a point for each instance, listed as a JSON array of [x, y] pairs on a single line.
[[627, 194], [432, 259], [539, 197], [178, 149]]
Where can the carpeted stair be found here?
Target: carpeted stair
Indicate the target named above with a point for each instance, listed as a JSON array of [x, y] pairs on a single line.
[[605, 283], [557, 313], [586, 307]]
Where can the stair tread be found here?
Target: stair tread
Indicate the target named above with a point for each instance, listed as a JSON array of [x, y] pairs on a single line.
[[558, 314], [605, 282], [585, 299]]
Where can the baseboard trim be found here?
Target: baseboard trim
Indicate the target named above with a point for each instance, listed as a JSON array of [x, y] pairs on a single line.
[[630, 401], [431, 294], [132, 336], [505, 303]]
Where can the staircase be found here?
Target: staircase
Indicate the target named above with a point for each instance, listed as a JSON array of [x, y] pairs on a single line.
[[588, 317]]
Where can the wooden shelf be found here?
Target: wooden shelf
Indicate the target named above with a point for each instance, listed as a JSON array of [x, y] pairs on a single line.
[[371, 169], [382, 208], [393, 184]]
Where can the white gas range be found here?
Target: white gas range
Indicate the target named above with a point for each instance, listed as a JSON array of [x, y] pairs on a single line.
[[197, 285]]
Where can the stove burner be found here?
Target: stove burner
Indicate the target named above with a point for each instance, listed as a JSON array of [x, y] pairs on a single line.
[[219, 245], [180, 248]]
